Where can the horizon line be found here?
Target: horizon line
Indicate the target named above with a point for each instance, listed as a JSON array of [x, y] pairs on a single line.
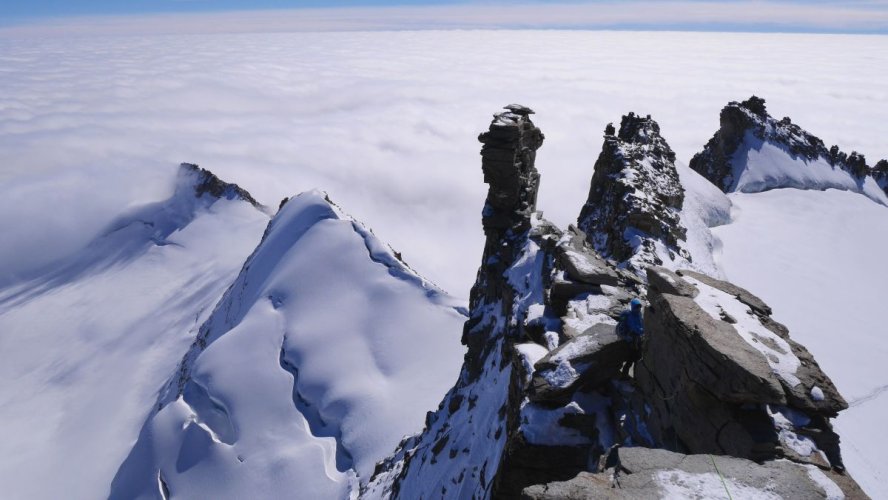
[[674, 16]]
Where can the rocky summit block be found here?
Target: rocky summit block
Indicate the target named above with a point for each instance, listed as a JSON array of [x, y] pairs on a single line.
[[507, 161], [643, 473], [206, 182]]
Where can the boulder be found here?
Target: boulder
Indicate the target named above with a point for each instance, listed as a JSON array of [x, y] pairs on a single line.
[[684, 341], [705, 385], [717, 369], [665, 281], [581, 263], [590, 309], [587, 360]]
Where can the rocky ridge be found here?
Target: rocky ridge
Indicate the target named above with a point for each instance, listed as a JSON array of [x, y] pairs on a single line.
[[541, 408], [747, 130], [206, 182]]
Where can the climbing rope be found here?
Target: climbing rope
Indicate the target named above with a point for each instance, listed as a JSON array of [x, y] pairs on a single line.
[[721, 477]]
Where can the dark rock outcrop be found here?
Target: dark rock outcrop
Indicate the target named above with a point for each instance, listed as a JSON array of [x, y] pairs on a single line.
[[635, 198], [880, 174], [208, 183], [590, 360], [747, 124]]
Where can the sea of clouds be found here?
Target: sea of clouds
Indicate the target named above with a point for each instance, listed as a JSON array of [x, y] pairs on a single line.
[[385, 122]]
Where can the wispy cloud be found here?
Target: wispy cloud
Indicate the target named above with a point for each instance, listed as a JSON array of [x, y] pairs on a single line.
[[701, 15]]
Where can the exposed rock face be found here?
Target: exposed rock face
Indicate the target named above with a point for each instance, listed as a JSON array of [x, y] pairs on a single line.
[[880, 174], [642, 473], [723, 377], [541, 398], [208, 183], [632, 214], [590, 359], [752, 151]]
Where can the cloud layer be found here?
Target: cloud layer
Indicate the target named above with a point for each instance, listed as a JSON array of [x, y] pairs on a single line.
[[385, 122]]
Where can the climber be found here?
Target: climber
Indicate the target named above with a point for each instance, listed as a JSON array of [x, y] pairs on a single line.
[[630, 328]]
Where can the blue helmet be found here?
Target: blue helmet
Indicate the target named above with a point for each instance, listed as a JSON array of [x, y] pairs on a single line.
[[636, 302]]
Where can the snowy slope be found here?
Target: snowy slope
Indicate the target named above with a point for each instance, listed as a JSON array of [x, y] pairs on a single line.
[[705, 207], [89, 341], [816, 257], [324, 353], [762, 165]]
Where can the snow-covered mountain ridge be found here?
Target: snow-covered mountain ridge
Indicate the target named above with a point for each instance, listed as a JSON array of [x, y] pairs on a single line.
[[753, 152], [322, 354]]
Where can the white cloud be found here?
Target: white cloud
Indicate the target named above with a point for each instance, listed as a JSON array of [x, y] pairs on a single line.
[[386, 122]]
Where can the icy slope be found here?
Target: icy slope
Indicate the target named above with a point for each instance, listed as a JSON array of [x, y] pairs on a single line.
[[817, 258], [704, 208], [89, 341], [762, 165], [320, 357]]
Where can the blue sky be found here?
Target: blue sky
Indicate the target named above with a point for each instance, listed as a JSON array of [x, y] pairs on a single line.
[[54, 8], [816, 16]]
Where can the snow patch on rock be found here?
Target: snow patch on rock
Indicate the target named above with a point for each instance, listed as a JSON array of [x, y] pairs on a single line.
[[774, 348]]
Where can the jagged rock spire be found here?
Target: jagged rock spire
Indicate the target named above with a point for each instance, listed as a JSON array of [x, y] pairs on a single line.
[[508, 157], [632, 214]]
